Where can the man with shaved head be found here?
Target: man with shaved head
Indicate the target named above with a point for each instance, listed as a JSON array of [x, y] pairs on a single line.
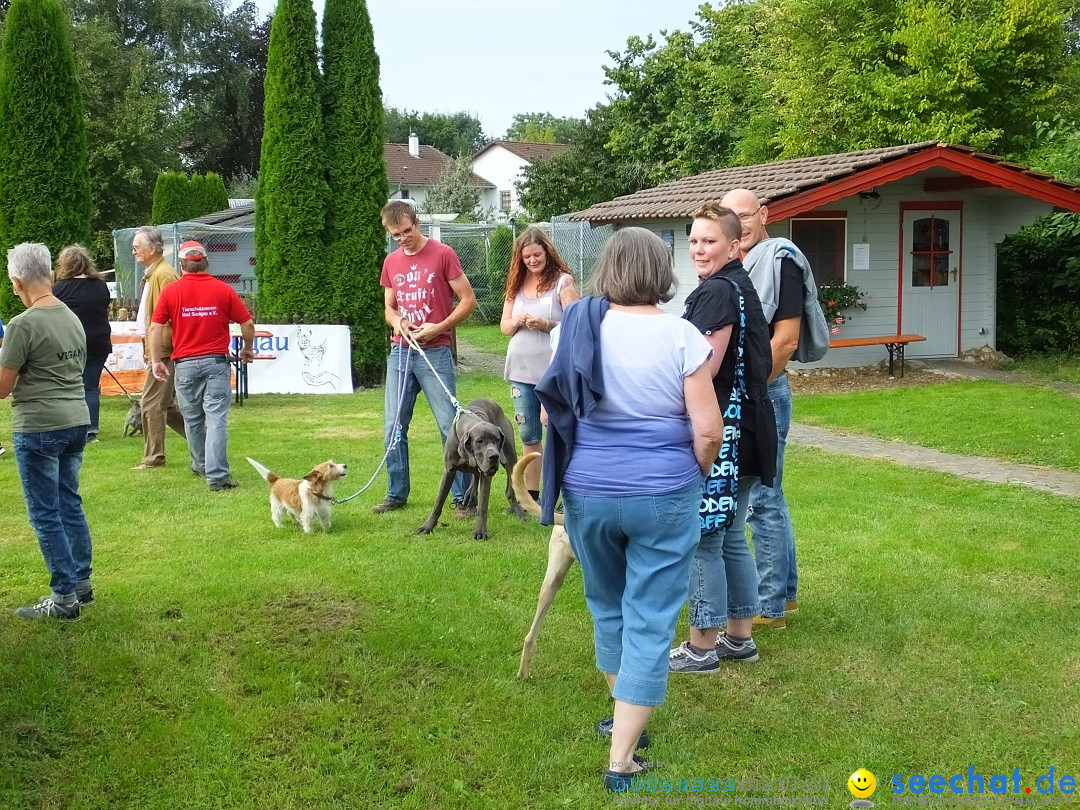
[[778, 270]]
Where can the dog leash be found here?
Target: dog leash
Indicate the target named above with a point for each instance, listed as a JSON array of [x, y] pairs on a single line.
[[403, 377], [414, 345], [394, 438], [126, 392]]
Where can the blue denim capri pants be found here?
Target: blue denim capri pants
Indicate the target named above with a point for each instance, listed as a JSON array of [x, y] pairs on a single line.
[[635, 554]]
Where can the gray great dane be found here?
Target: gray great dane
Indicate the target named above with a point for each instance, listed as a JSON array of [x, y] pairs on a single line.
[[480, 441]]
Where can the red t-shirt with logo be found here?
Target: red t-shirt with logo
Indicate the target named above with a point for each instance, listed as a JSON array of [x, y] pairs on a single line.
[[200, 308], [421, 283]]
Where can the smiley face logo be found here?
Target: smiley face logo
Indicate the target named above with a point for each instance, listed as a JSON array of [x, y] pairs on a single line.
[[862, 784]]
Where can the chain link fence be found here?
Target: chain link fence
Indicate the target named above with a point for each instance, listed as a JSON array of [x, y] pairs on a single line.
[[484, 251], [230, 250]]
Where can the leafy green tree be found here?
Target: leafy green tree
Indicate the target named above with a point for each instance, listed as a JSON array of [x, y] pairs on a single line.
[[453, 192], [542, 127], [754, 81], [44, 179], [851, 75], [693, 103], [586, 174], [290, 210], [130, 137], [217, 196], [1040, 311], [221, 120], [456, 134], [356, 243]]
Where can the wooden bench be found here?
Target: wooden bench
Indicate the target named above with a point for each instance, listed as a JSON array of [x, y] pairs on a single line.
[[894, 345]]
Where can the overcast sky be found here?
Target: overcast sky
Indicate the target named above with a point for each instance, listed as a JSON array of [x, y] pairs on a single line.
[[494, 58]]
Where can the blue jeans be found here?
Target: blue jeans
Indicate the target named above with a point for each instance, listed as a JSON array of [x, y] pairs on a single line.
[[723, 580], [770, 521], [527, 412], [204, 391], [635, 556], [49, 465], [420, 378], [91, 381]]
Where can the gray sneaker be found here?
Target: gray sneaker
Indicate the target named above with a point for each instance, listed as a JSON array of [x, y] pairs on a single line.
[[228, 483], [47, 607], [684, 659], [741, 653]]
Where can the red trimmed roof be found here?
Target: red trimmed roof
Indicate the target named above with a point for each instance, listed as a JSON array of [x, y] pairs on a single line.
[[527, 150], [425, 170], [795, 186]]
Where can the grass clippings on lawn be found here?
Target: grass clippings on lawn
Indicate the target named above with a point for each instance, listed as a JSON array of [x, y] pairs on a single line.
[[229, 664]]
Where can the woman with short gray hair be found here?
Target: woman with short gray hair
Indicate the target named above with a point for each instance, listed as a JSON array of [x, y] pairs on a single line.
[[633, 424], [41, 367]]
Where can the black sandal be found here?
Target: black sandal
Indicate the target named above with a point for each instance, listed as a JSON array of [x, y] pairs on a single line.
[[619, 782]]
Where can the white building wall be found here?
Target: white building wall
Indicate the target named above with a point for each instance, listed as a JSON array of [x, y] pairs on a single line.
[[502, 168]]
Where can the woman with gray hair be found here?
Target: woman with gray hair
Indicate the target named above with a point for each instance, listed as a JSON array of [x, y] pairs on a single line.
[[633, 424], [41, 367]]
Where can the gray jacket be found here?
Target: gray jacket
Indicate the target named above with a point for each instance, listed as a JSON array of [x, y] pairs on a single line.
[[763, 265]]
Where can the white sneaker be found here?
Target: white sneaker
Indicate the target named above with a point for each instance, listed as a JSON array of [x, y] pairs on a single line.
[[684, 659]]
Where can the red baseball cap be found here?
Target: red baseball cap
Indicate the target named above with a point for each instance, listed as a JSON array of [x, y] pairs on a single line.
[[192, 250]]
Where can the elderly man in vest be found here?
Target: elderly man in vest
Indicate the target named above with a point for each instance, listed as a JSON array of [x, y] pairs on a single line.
[[158, 401]]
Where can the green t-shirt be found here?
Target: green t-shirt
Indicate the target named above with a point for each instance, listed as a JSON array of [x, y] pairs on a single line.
[[47, 346]]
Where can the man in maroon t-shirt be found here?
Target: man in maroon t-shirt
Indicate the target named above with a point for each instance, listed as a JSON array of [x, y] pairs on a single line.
[[420, 280], [200, 309]]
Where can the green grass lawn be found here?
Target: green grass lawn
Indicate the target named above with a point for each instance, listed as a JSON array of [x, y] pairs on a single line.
[[229, 664], [486, 338], [1002, 420], [1062, 367]]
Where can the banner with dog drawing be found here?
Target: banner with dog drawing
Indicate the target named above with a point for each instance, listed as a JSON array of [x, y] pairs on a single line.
[[289, 359], [299, 359]]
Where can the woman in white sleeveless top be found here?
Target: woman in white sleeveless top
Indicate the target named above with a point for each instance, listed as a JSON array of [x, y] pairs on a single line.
[[539, 286]]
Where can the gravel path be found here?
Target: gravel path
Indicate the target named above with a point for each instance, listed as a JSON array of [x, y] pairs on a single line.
[[994, 471]]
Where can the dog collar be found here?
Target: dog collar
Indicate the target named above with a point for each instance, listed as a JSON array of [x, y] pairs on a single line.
[[322, 497]]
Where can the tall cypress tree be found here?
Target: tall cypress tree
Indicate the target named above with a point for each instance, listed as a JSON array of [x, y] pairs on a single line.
[[290, 204], [172, 193], [217, 196], [44, 178], [356, 243]]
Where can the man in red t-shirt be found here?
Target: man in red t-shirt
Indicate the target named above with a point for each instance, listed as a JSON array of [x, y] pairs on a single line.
[[200, 309], [420, 280]]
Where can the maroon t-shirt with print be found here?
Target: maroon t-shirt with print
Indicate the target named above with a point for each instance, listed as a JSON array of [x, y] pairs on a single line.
[[421, 284]]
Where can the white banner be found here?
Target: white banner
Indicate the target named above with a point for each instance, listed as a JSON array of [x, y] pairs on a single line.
[[289, 359], [298, 359]]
